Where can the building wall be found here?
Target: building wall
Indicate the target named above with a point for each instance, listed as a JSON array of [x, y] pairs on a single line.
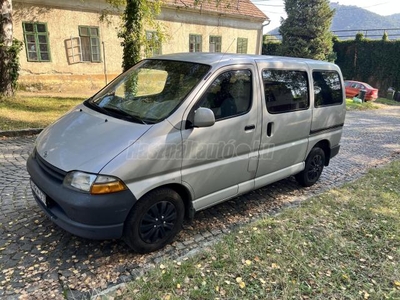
[[61, 74], [180, 24]]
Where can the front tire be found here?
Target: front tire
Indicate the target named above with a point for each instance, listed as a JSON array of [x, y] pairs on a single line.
[[313, 169], [154, 220]]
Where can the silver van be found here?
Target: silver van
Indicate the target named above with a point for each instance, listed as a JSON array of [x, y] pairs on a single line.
[[179, 133]]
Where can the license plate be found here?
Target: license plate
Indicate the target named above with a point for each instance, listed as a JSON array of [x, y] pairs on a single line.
[[38, 192]]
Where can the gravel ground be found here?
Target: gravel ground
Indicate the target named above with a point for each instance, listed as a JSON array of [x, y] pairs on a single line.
[[38, 260]]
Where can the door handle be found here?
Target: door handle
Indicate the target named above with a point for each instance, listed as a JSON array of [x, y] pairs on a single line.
[[249, 127], [270, 128]]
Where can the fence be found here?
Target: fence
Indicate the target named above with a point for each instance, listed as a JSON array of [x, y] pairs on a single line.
[[347, 34]]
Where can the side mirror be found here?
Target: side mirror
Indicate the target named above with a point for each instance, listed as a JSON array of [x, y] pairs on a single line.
[[203, 117]]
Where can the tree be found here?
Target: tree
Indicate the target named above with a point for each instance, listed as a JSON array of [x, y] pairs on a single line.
[[131, 33], [385, 37], [306, 30], [136, 15], [9, 50]]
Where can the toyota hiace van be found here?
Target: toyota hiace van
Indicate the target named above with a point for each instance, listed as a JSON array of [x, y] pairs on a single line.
[[179, 133]]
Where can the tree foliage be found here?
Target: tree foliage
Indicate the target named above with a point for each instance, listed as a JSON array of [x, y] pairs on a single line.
[[9, 51], [137, 15], [385, 37], [306, 30]]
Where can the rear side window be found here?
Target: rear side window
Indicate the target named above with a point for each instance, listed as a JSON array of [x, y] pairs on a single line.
[[285, 90], [327, 88]]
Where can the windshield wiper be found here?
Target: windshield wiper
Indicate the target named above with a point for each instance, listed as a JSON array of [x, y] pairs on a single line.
[[96, 107], [124, 114]]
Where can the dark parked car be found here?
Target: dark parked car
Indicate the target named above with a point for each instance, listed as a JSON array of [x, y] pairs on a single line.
[[353, 89]]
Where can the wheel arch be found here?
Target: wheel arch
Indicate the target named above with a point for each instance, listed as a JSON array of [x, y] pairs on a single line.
[[183, 192], [325, 145]]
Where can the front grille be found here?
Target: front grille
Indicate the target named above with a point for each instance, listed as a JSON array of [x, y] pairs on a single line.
[[50, 170]]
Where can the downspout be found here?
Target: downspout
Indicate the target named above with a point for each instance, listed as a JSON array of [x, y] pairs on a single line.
[[260, 37], [105, 64]]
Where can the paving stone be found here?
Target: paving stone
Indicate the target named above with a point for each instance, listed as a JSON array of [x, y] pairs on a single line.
[[46, 259], [198, 238], [206, 234], [188, 242]]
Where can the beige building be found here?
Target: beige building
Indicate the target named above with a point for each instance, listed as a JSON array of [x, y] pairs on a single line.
[[67, 48]]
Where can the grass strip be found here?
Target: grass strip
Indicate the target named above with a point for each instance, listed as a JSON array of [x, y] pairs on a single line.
[[390, 102], [343, 244], [350, 105], [33, 112]]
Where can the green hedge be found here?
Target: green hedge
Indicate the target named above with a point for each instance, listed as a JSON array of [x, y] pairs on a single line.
[[376, 62], [371, 61]]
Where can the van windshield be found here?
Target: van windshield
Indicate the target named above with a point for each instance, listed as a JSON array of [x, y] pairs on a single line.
[[150, 91]]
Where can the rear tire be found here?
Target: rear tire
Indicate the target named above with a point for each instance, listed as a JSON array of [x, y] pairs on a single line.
[[314, 165], [154, 220]]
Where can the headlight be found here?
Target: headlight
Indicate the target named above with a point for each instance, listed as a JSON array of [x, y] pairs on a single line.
[[94, 184]]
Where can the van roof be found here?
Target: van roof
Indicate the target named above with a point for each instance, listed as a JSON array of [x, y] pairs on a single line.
[[218, 59]]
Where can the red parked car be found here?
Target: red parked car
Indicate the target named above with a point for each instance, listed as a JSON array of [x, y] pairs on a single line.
[[353, 89]]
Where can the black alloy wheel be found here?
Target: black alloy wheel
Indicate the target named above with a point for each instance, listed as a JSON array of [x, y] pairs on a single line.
[[158, 222], [154, 220], [314, 166]]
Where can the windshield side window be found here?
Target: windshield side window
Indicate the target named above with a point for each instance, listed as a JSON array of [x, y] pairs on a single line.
[[229, 95], [285, 90], [327, 88]]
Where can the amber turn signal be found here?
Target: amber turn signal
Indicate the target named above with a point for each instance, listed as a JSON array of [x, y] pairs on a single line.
[[107, 188]]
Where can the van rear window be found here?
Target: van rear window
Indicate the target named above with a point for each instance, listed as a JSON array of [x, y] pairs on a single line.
[[285, 90], [327, 88]]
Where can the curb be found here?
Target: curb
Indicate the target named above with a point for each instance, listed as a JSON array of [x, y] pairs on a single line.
[[22, 132]]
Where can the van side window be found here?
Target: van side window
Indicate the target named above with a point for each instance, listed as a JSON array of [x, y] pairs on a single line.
[[229, 95], [327, 88], [285, 90]]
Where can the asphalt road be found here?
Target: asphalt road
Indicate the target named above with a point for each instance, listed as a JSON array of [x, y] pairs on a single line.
[[38, 260]]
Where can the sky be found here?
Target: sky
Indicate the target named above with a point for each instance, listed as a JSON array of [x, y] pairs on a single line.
[[274, 9]]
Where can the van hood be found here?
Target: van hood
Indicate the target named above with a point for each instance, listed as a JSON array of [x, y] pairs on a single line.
[[86, 140]]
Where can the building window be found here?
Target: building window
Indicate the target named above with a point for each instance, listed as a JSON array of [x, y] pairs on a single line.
[[195, 42], [215, 43], [36, 41], [285, 90], [242, 45], [90, 43], [153, 44]]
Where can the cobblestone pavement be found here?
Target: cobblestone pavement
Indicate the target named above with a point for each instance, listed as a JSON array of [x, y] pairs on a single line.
[[38, 260]]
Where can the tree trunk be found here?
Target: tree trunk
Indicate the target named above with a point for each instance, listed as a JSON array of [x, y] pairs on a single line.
[[6, 40]]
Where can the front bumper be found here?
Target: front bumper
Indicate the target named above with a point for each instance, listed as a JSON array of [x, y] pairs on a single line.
[[82, 214]]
